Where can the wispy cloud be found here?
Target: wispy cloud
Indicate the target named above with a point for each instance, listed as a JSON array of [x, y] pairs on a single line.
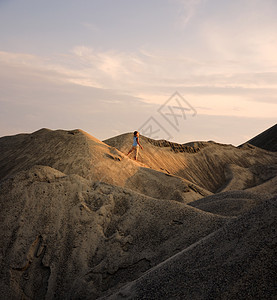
[[187, 10], [153, 77], [220, 55]]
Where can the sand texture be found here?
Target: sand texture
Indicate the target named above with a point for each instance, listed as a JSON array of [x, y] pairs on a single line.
[[81, 220]]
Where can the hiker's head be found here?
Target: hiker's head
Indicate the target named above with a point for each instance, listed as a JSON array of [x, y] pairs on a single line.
[[136, 133]]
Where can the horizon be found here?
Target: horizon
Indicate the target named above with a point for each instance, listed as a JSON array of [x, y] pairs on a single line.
[[182, 70], [110, 137]]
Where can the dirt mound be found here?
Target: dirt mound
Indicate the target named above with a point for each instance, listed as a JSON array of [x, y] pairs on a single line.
[[266, 140], [77, 152], [233, 203], [81, 220], [65, 236], [236, 262], [207, 164]]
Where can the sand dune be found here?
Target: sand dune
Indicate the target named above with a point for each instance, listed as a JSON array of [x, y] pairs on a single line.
[[232, 203], [76, 152], [235, 262], [203, 163], [71, 237], [81, 220]]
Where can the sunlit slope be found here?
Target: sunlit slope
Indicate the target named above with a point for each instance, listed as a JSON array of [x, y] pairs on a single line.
[[77, 152], [207, 164]]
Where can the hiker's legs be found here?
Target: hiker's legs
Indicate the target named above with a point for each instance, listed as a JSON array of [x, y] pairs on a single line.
[[136, 148], [131, 150], [136, 152]]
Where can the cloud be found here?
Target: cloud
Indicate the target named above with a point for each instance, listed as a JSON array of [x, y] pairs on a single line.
[[101, 91], [152, 76], [34, 95], [188, 9], [109, 67], [220, 55]]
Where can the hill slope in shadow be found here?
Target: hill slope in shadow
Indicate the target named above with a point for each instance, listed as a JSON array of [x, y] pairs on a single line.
[[266, 140], [65, 236], [235, 262], [81, 220]]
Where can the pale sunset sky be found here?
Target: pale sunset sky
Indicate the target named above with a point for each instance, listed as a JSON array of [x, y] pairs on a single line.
[[111, 66]]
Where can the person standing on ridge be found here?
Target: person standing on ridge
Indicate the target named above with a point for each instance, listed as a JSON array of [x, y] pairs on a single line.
[[136, 145]]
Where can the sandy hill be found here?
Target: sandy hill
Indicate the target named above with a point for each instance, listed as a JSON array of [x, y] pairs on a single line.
[[266, 140], [62, 235], [207, 164], [235, 262], [81, 220], [77, 152]]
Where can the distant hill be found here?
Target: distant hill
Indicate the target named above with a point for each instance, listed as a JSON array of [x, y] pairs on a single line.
[[266, 140]]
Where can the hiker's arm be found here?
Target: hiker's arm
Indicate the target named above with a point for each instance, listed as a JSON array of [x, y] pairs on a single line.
[[139, 143]]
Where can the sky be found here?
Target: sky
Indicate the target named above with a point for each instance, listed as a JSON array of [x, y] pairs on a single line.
[[183, 70]]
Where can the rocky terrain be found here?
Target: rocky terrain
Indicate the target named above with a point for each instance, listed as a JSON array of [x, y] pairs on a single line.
[[81, 220]]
